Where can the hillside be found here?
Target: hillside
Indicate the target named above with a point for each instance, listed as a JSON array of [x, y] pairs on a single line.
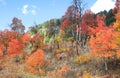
[[74, 46]]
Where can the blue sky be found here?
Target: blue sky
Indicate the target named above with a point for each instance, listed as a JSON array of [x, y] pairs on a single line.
[[39, 11]]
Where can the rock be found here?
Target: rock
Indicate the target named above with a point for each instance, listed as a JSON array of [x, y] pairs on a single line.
[[62, 55]]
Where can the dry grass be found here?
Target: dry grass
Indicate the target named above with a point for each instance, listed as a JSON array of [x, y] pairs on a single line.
[[15, 70]]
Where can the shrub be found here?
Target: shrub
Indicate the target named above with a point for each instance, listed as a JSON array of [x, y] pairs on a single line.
[[35, 61]]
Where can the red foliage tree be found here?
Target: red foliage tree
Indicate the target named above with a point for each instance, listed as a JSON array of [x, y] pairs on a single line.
[[12, 43], [69, 20], [88, 23], [88, 20], [100, 24], [15, 47], [65, 24], [5, 37]]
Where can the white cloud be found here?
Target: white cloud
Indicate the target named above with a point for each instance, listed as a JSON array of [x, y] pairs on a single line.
[[25, 9], [101, 5], [29, 9]]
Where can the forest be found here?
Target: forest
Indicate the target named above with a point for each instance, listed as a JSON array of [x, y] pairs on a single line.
[[77, 45]]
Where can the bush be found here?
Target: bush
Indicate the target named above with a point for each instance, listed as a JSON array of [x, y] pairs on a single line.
[[35, 61]]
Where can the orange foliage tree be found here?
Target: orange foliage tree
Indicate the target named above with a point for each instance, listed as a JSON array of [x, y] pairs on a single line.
[[100, 24], [35, 61], [104, 45], [117, 35]]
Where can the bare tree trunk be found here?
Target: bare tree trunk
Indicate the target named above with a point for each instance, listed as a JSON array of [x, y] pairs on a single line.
[[115, 59], [5, 51], [105, 62], [77, 36], [77, 52], [72, 32], [79, 8], [58, 45]]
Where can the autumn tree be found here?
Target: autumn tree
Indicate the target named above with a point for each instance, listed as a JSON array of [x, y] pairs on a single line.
[[111, 42], [103, 45], [99, 24], [17, 25], [68, 24], [88, 22], [117, 26], [11, 44], [117, 23], [15, 47], [5, 37], [117, 37]]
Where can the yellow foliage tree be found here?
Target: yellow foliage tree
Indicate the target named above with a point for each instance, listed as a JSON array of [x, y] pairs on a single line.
[[117, 35], [117, 23]]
